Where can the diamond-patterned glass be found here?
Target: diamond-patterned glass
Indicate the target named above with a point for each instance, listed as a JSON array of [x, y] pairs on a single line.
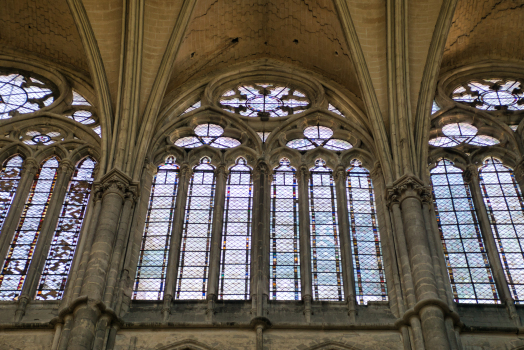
[[505, 206], [468, 265], [9, 178], [326, 263], [24, 241], [193, 268], [65, 238], [284, 258], [235, 257], [370, 280], [154, 250]]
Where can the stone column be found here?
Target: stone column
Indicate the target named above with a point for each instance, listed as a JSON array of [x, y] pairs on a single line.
[[471, 176], [29, 169], [340, 176], [305, 239], [260, 239], [89, 306], [221, 175], [429, 307], [64, 172], [176, 238]]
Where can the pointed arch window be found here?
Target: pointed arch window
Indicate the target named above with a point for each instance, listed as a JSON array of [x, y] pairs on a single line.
[[24, 241], [325, 241], [9, 179], [65, 238], [370, 282], [156, 239], [468, 265], [236, 237], [193, 268], [284, 259], [505, 206]]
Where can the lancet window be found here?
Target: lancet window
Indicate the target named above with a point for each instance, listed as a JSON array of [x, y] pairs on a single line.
[[9, 179], [326, 264], [156, 239], [193, 268], [236, 234], [284, 259]]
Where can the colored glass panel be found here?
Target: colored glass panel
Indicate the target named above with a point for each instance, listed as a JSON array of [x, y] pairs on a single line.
[[505, 206], [193, 268], [9, 179], [22, 247], [284, 259], [156, 239], [370, 281], [325, 241], [236, 235], [65, 238]]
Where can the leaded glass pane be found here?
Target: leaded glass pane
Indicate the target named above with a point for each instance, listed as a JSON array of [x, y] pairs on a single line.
[[9, 178], [284, 259], [193, 268], [65, 238], [505, 206], [370, 281], [468, 265], [325, 241], [156, 239], [236, 237], [22, 247]]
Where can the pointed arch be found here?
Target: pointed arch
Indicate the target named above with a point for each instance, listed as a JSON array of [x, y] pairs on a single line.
[[9, 179]]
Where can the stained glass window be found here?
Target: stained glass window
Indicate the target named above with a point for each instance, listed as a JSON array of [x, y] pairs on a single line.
[[156, 239], [370, 282], [491, 94], [263, 135], [193, 268], [435, 108], [207, 134], [9, 178], [319, 136], [325, 241], [65, 238], [236, 235], [79, 100], [19, 94], [459, 133], [22, 246], [34, 137], [468, 265], [334, 109], [258, 100], [505, 206], [284, 259], [192, 108]]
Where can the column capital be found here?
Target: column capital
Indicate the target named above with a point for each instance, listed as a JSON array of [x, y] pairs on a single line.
[[185, 169], [30, 165], [117, 182], [339, 173], [408, 186], [221, 170], [66, 166], [471, 173]]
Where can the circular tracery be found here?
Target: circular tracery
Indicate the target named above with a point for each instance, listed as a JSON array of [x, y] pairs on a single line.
[[462, 133], [319, 136], [207, 134], [491, 94]]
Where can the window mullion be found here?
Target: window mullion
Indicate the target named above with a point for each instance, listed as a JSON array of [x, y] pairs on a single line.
[[29, 169], [305, 237], [471, 176], [176, 237], [343, 222], [216, 234]]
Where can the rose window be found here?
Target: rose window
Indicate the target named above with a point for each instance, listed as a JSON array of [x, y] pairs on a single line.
[[319, 136], [491, 94], [264, 100], [207, 134], [19, 94], [459, 133], [34, 137]]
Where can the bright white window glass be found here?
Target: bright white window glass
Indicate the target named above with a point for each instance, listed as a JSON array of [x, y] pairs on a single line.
[[193, 267], [319, 136], [468, 265], [458, 133], [207, 134], [235, 257], [65, 238], [9, 179], [20, 95], [22, 247], [326, 262], [368, 264], [491, 94], [154, 249], [284, 258], [505, 206]]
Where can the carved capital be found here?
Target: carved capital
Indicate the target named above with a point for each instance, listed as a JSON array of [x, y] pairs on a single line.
[[376, 171], [221, 171], [66, 167], [408, 186], [339, 174], [30, 165], [471, 173], [185, 170], [116, 182]]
